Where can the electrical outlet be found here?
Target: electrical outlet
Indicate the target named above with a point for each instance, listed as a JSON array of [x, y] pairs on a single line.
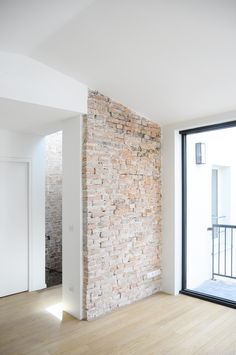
[[71, 228], [153, 273], [71, 288]]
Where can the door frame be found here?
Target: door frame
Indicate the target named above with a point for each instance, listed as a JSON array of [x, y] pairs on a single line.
[[184, 134], [27, 161]]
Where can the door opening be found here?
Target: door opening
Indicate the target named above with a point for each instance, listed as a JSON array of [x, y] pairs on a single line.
[[209, 213], [53, 209]]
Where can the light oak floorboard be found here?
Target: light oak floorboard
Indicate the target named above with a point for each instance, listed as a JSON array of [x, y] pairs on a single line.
[[160, 324]]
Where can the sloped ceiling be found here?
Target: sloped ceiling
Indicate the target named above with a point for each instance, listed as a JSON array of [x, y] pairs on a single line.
[[170, 60]]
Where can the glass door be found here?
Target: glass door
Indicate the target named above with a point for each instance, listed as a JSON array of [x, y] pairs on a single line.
[[209, 213]]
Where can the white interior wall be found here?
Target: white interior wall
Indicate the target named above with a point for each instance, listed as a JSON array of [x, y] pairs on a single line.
[[72, 239], [40, 89], [27, 80], [31, 147]]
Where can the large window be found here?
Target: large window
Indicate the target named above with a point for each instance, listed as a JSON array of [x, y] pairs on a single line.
[[209, 213]]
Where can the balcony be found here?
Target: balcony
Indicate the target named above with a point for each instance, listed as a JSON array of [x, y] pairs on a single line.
[[223, 260]]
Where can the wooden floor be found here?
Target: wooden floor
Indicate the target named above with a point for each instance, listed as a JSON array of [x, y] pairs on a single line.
[[160, 324]]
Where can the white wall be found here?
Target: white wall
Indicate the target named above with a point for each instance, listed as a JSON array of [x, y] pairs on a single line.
[[172, 231], [31, 147], [72, 239], [27, 80]]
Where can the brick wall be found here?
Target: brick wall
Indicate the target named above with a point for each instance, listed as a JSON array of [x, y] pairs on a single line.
[[122, 206], [54, 206]]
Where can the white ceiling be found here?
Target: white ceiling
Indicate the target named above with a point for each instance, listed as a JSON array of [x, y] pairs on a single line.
[[30, 118], [171, 60]]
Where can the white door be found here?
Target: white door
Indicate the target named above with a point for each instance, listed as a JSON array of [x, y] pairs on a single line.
[[13, 227]]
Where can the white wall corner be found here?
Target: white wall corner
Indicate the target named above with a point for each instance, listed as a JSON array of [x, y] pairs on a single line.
[[27, 80], [72, 218], [169, 258]]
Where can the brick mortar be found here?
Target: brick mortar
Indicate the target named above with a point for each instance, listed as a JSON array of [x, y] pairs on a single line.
[[122, 206], [53, 201]]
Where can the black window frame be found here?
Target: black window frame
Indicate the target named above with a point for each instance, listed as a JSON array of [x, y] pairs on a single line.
[[184, 134]]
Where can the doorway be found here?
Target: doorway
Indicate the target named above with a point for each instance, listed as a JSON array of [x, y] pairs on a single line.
[[28, 150], [53, 209], [209, 213], [14, 227]]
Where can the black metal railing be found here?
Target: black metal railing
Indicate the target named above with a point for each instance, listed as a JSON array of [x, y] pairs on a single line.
[[223, 250]]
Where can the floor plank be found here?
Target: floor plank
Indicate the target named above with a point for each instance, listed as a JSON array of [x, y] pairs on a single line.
[[160, 324]]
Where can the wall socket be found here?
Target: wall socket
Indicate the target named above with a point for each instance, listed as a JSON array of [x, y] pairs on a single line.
[[153, 273], [71, 288]]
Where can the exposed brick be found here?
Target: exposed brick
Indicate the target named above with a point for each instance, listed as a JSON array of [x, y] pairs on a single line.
[[53, 199], [122, 205]]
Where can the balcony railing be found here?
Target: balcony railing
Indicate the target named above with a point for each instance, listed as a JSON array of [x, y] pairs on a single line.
[[223, 251]]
